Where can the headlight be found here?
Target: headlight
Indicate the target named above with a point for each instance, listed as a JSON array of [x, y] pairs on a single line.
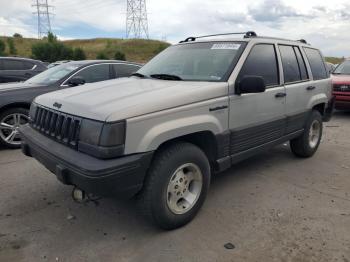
[[102, 140]]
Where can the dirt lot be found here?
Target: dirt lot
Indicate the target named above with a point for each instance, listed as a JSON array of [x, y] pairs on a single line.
[[273, 207]]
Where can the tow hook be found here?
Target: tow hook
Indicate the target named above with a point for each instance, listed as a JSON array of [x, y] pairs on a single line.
[[80, 196]]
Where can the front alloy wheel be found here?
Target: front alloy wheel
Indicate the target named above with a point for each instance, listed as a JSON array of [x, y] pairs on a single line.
[[176, 185], [10, 122], [184, 188]]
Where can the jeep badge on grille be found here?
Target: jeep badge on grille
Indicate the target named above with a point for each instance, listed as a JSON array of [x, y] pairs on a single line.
[[58, 105]]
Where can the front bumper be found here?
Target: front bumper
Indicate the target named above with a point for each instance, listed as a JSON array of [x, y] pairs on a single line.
[[342, 100], [122, 177]]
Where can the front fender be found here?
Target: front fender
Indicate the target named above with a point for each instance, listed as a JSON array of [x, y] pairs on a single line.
[[149, 132]]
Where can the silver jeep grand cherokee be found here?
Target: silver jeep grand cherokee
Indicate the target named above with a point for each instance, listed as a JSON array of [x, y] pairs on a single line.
[[194, 110]]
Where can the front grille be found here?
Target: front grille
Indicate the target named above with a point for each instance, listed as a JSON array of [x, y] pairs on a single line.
[[61, 127], [341, 88]]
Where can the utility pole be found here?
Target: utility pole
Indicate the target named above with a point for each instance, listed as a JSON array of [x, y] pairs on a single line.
[[136, 19], [42, 11]]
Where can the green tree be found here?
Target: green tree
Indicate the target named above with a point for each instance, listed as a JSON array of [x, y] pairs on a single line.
[[2, 48], [102, 56], [51, 50], [17, 35], [79, 54], [119, 55], [12, 47]]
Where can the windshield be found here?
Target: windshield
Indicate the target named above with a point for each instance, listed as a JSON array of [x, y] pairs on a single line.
[[212, 61], [343, 69], [53, 74]]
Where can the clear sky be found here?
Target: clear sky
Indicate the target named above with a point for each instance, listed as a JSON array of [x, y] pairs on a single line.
[[325, 24]]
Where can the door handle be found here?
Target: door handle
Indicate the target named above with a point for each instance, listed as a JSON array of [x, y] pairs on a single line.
[[279, 95], [309, 88]]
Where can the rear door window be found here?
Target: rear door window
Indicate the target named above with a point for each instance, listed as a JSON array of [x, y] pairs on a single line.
[[95, 73], [302, 65], [316, 62], [125, 70], [290, 64], [10, 64], [262, 61]]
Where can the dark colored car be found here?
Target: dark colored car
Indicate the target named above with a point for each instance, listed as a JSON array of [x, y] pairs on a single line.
[[16, 69], [15, 98], [341, 86]]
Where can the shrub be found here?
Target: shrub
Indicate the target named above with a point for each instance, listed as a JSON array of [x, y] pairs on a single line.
[[79, 54], [51, 50], [102, 56], [2, 48], [119, 56], [11, 45], [17, 35]]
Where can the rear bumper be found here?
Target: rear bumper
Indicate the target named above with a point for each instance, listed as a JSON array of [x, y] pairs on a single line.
[[122, 177]]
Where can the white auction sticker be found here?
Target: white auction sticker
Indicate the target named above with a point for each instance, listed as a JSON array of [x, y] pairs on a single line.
[[231, 46]]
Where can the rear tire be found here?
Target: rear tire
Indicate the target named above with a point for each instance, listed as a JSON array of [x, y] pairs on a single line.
[[306, 145], [10, 121], [176, 186]]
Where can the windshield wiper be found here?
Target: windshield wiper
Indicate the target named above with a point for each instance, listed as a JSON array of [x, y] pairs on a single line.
[[139, 75], [166, 77]]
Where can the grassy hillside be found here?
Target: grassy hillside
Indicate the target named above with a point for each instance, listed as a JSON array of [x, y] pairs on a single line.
[[334, 60], [136, 50]]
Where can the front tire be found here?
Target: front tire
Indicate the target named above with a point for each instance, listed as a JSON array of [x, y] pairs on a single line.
[[10, 121], [306, 145], [176, 186]]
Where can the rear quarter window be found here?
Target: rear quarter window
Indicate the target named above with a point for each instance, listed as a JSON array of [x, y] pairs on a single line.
[[318, 68]]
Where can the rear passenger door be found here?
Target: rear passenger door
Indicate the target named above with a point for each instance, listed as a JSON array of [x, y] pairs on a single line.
[[256, 119], [297, 83]]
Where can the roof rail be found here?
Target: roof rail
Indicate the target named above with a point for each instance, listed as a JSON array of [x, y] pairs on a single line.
[[246, 35], [302, 41]]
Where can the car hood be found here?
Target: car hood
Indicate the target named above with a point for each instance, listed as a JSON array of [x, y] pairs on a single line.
[[124, 98], [341, 79]]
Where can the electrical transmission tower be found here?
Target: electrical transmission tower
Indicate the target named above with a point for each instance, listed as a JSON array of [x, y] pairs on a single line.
[[42, 11], [136, 19]]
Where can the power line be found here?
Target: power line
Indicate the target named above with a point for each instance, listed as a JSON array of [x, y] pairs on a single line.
[[42, 11], [136, 19]]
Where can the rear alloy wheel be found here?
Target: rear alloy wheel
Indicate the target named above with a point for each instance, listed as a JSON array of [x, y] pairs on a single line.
[[10, 122], [306, 145]]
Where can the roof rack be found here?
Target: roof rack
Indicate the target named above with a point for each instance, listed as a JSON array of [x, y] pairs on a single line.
[[248, 34]]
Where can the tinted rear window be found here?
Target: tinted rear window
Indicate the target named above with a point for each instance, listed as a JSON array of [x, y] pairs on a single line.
[[316, 62], [301, 62], [13, 65], [124, 70], [290, 64]]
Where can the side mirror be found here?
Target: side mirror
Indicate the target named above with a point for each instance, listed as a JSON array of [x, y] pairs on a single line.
[[76, 81], [251, 84]]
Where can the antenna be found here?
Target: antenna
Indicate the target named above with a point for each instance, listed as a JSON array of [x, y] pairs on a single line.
[[42, 11], [136, 19]]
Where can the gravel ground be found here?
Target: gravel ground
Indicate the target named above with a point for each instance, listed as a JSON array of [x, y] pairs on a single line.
[[273, 207]]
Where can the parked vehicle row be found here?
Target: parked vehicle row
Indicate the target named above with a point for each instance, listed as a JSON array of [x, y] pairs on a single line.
[[192, 111], [15, 98]]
